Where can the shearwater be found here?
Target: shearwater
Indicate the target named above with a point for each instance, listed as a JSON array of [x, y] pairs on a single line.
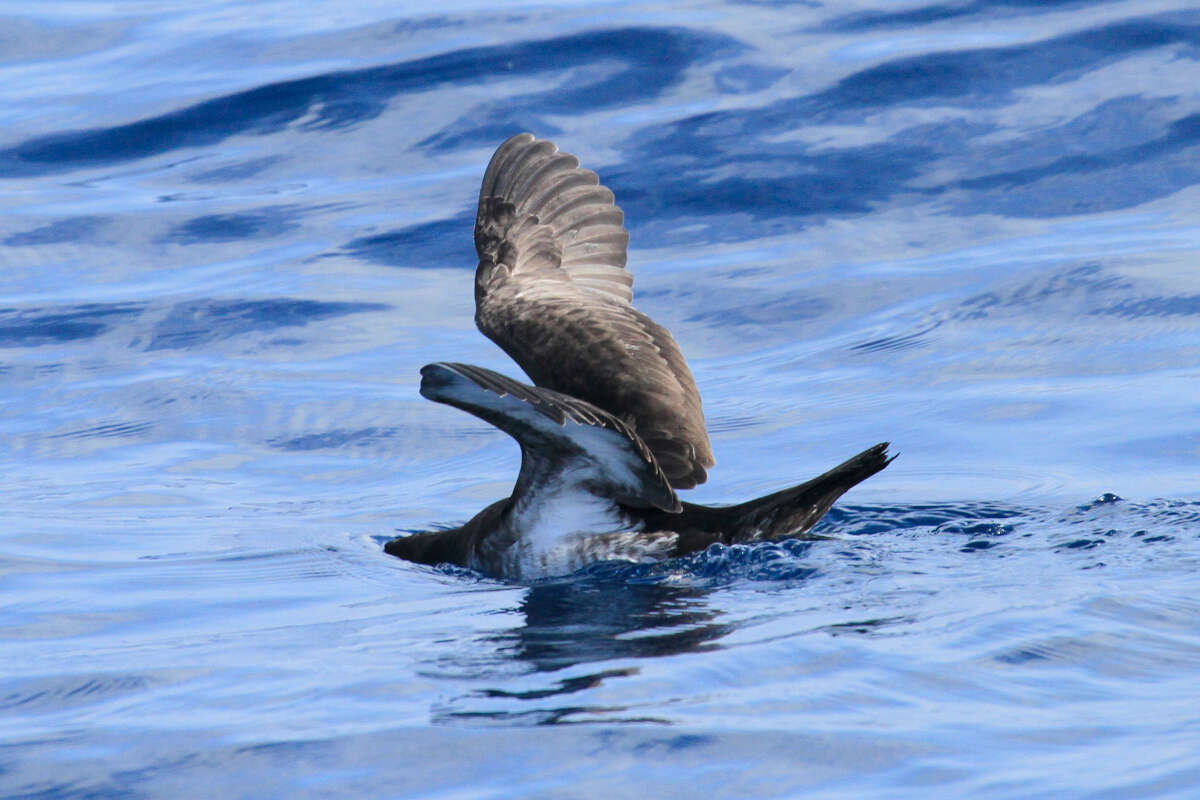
[[613, 424]]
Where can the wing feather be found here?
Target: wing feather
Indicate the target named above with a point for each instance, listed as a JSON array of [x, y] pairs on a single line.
[[557, 433], [552, 290]]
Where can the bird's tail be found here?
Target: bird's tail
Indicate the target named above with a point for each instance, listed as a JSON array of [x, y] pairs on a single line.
[[794, 511]]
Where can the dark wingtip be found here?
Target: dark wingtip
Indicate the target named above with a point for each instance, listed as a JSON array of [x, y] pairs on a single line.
[[867, 463], [794, 511], [882, 449], [435, 377], [877, 458], [877, 454]]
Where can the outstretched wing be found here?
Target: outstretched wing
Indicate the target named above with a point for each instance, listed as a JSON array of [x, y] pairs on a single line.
[[552, 290], [562, 438]]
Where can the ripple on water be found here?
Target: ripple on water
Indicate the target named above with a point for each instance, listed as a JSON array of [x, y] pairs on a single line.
[[965, 228]]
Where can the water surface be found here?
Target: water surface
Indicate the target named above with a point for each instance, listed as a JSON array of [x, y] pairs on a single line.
[[231, 235]]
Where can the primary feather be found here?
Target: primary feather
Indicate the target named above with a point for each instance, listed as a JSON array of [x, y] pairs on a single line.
[[552, 290]]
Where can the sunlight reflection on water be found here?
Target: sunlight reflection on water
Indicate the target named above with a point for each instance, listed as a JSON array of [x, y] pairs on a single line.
[[231, 238]]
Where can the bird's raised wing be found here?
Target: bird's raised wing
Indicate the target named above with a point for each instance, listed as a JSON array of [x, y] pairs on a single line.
[[552, 290], [562, 438]]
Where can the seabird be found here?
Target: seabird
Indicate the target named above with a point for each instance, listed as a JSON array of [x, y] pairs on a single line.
[[613, 425]]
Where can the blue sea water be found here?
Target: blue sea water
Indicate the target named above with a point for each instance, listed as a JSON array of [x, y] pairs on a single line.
[[232, 233]]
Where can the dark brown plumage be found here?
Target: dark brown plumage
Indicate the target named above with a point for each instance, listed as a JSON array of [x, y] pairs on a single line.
[[614, 424], [552, 290]]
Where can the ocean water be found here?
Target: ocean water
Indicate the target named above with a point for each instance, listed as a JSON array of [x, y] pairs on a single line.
[[231, 234]]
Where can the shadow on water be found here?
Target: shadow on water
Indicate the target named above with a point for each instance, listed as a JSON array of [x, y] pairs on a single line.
[[185, 325], [728, 161], [744, 171], [603, 614], [591, 618], [613, 609], [615, 614], [618, 616], [63, 231], [260, 223], [1086, 290], [649, 60], [34, 327], [939, 12], [191, 324], [441, 243]]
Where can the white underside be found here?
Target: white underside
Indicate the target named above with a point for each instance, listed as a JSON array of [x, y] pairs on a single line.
[[565, 516], [603, 457], [563, 528]]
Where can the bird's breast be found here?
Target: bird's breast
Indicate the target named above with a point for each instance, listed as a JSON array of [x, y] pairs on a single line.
[[549, 539]]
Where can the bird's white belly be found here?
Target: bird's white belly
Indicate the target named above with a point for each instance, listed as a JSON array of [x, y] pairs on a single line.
[[579, 550], [561, 537]]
